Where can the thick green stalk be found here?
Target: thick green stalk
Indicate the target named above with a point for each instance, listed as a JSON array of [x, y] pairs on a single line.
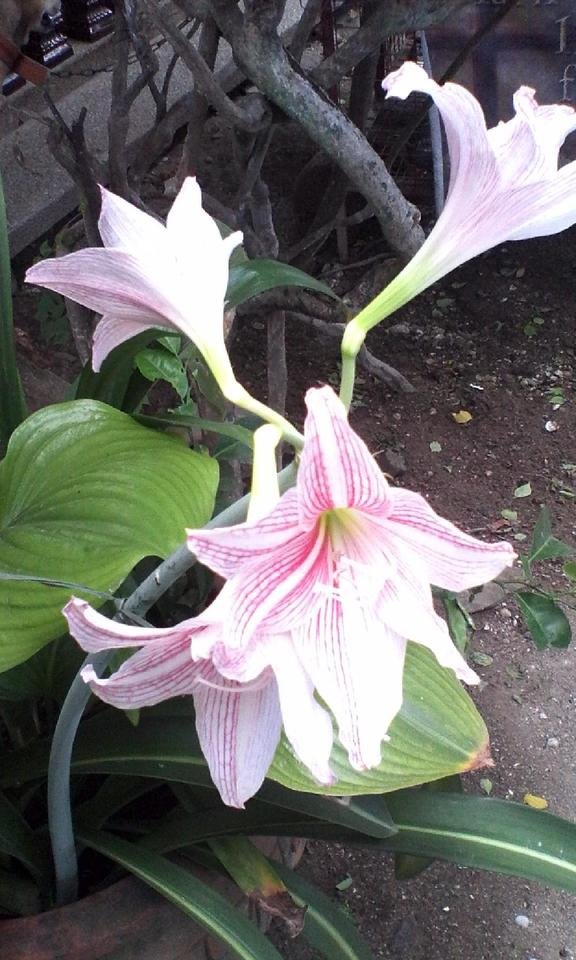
[[12, 403]]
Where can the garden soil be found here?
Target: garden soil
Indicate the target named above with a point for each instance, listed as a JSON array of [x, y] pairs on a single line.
[[496, 340]]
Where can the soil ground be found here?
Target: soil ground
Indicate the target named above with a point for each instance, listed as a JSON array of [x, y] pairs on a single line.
[[496, 339]]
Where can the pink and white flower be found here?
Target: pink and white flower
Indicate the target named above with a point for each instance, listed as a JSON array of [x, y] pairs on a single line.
[[238, 723], [323, 593], [150, 275], [504, 185], [343, 566]]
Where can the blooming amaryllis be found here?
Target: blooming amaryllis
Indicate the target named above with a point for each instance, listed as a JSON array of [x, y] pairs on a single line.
[[504, 185], [150, 275], [343, 566], [238, 724]]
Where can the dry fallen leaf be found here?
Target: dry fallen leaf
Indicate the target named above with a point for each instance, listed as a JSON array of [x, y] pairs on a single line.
[[537, 803], [462, 417]]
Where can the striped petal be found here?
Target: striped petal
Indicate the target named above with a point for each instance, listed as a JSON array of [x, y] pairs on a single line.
[[228, 550], [95, 632], [123, 226], [238, 732], [356, 665], [336, 468], [451, 559], [157, 672]]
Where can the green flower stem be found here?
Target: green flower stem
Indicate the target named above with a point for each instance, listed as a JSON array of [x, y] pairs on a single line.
[[12, 403], [60, 822], [238, 395]]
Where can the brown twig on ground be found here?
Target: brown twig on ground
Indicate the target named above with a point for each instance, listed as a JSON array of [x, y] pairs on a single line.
[[199, 107]]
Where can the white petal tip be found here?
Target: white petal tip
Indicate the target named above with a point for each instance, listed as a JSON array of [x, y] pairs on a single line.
[[88, 674]]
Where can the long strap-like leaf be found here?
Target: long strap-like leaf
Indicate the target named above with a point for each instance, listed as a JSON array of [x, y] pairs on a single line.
[[12, 404], [17, 839], [485, 833], [207, 907]]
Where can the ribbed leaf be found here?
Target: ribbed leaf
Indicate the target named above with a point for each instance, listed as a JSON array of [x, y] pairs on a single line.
[[17, 839], [85, 493], [207, 907], [251, 277], [326, 926], [485, 833], [409, 865], [438, 732]]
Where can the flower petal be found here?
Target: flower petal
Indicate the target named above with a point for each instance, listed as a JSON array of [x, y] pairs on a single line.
[[95, 632], [111, 282], [238, 732], [227, 550], [356, 665], [111, 332], [122, 225], [451, 559], [336, 468], [306, 724], [158, 672]]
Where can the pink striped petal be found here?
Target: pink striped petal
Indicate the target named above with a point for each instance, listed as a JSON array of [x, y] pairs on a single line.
[[451, 559], [157, 672], [336, 468], [238, 732], [111, 332], [122, 225], [95, 632], [279, 592], [356, 666], [227, 550]]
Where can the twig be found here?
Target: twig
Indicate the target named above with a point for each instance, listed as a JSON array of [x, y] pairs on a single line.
[[199, 110]]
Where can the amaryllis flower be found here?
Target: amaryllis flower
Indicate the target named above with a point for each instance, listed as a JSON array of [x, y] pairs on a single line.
[[504, 185], [151, 275], [238, 724], [343, 565]]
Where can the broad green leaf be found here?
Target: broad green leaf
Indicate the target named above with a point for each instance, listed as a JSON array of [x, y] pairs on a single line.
[[207, 907], [46, 675], [486, 834], [326, 926], [548, 624], [544, 545], [160, 364], [252, 277], [85, 494], [438, 732], [12, 403], [570, 570], [17, 839]]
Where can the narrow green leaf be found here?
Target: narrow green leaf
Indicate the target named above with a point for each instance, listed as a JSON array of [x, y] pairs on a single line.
[[249, 868], [252, 277], [207, 907], [570, 570], [19, 895], [326, 926], [485, 833], [114, 382], [114, 794], [408, 865], [234, 431], [17, 839], [85, 493], [46, 675], [12, 404], [548, 624]]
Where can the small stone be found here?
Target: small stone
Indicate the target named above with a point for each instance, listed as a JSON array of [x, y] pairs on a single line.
[[505, 613], [521, 920], [552, 742], [542, 715]]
